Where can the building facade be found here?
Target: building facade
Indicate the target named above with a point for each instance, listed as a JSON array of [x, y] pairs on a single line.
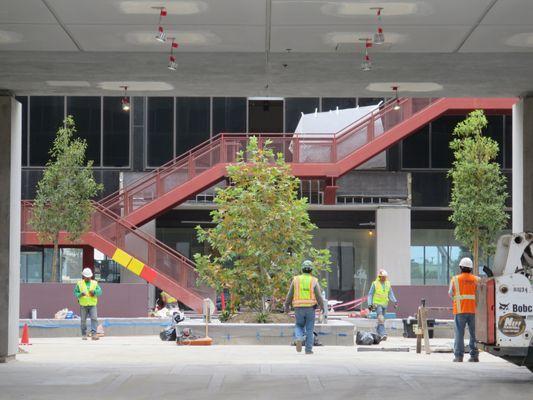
[[392, 212]]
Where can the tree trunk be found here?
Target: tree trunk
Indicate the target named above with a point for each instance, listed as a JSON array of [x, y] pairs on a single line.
[[476, 253], [55, 257]]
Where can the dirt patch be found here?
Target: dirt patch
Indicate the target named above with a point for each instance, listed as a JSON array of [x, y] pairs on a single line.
[[251, 318]]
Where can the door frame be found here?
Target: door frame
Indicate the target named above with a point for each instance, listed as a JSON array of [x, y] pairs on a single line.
[[259, 98]]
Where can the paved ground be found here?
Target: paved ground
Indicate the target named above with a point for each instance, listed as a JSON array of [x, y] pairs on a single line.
[[146, 368]]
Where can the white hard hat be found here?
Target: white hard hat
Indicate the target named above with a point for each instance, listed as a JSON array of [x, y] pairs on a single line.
[[87, 273], [382, 272], [466, 263]]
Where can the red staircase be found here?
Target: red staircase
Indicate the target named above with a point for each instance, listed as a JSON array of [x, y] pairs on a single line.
[[135, 250], [116, 218]]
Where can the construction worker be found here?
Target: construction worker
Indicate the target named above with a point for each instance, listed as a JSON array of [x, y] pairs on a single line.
[[305, 294], [167, 300], [379, 295], [463, 292], [87, 292]]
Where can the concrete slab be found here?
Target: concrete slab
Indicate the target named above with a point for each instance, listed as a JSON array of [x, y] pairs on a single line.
[[146, 368]]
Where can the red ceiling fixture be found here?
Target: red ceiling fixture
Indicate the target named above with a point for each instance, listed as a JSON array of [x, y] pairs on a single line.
[[125, 101], [172, 64], [396, 98], [379, 36], [366, 63], [161, 36]]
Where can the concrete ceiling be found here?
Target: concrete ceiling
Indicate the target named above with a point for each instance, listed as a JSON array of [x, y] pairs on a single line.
[[239, 47]]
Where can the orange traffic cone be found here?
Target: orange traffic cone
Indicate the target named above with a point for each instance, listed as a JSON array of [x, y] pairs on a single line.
[[25, 336]]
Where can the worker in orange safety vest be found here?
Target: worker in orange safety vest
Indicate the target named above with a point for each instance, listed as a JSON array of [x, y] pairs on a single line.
[[463, 292]]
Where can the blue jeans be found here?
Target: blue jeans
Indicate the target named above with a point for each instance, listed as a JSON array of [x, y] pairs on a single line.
[[305, 325], [461, 320], [380, 329], [91, 312]]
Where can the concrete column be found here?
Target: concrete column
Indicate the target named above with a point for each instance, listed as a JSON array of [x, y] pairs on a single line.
[[523, 165], [10, 176], [393, 243], [518, 167]]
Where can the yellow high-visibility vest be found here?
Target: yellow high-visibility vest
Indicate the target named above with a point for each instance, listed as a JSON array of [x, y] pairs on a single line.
[[381, 293], [304, 293], [168, 299], [87, 300]]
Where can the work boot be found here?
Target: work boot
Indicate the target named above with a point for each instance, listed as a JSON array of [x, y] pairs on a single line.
[[309, 352], [473, 359], [458, 359], [298, 346]]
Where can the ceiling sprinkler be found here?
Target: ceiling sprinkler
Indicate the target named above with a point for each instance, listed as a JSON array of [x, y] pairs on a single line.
[[379, 36]]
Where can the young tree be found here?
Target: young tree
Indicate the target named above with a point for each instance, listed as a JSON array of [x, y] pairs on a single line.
[[478, 187], [262, 233], [63, 201]]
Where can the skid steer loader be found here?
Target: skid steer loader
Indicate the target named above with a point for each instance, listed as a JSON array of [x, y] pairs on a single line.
[[504, 318]]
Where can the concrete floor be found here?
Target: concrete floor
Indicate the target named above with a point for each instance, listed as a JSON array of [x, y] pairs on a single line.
[[146, 368]]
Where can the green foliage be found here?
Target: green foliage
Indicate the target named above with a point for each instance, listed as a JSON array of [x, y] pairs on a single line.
[[478, 191], [225, 315], [262, 231], [64, 192], [263, 317]]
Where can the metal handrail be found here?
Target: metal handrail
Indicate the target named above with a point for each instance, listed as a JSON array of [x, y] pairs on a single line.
[[219, 142], [131, 229], [190, 153]]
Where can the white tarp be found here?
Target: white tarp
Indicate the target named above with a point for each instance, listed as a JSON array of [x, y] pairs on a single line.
[[325, 125]]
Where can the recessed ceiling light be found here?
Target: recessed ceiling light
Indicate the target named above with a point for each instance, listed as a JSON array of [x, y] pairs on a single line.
[[173, 7], [136, 86], [406, 86], [334, 38], [345, 9], [68, 83], [520, 40], [183, 38], [7, 37]]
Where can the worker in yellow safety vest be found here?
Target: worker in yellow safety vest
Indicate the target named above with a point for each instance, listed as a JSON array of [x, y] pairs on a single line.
[[462, 290], [379, 295], [87, 292], [168, 300], [304, 295]]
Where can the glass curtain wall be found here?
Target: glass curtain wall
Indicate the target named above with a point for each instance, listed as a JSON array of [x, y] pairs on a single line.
[[435, 256], [46, 115], [87, 117], [353, 261], [229, 115], [116, 151], [192, 122], [36, 264], [160, 131]]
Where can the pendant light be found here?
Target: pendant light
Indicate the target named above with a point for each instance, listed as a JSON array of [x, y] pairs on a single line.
[[161, 36], [125, 101]]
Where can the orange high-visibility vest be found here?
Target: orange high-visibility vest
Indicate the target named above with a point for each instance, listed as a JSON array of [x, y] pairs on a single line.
[[304, 293], [464, 293]]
